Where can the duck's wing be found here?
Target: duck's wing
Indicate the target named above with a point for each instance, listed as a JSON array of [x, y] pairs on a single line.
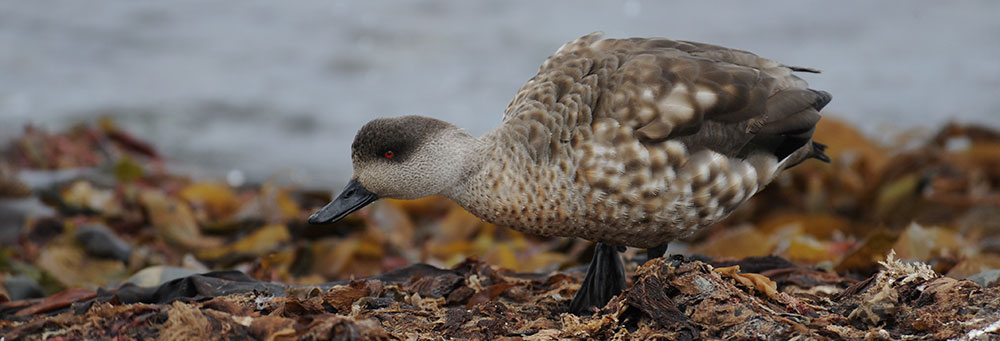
[[654, 90]]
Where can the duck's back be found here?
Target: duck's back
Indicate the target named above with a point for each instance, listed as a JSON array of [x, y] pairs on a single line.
[[656, 138]]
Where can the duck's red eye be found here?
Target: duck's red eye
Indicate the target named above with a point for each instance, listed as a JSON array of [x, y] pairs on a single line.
[[389, 154]]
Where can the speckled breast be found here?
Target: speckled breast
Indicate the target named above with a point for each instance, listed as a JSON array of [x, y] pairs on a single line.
[[667, 193]]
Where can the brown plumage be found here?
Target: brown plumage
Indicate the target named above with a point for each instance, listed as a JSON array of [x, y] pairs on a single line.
[[637, 142], [631, 142]]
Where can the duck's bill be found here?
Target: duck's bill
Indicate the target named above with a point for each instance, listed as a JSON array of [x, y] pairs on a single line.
[[352, 199]]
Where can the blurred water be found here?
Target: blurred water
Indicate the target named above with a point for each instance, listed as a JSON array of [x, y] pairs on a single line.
[[271, 87]]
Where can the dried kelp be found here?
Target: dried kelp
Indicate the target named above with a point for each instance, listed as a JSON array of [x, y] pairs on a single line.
[[127, 249]]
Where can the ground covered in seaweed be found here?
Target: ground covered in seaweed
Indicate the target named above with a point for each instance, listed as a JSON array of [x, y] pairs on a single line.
[[101, 240]]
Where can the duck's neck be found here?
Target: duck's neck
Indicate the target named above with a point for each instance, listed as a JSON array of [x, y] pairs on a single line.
[[475, 153], [493, 170]]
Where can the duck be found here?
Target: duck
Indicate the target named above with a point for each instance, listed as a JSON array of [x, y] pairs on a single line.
[[624, 142]]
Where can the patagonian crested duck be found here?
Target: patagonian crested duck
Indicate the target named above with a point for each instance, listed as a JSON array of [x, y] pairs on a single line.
[[625, 142]]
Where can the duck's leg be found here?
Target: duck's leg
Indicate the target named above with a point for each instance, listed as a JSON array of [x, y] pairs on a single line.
[[605, 278], [656, 252]]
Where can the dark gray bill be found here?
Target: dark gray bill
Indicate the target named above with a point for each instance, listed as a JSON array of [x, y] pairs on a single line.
[[352, 199]]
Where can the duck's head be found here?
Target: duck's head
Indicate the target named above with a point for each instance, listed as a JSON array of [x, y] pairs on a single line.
[[404, 157]]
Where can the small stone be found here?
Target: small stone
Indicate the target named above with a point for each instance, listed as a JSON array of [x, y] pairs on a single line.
[[22, 287], [987, 278], [99, 241]]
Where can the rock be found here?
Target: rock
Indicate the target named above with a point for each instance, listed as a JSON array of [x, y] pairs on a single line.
[[15, 212], [988, 278], [22, 287], [157, 275], [99, 241]]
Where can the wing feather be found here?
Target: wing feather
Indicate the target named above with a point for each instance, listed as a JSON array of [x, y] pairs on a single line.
[[702, 95]]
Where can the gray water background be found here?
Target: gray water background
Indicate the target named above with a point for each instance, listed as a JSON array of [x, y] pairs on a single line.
[[278, 88]]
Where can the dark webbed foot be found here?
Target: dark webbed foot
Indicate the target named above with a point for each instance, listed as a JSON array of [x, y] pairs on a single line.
[[656, 252], [605, 278]]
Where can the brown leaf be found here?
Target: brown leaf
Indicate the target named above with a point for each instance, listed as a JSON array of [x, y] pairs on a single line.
[[974, 265], [809, 250], [126, 140], [273, 328], [389, 223], [57, 301], [218, 198], [264, 240], [460, 295], [845, 143], [174, 222], [864, 258], [648, 296], [822, 226], [342, 297], [83, 194], [433, 286], [293, 306], [71, 266], [924, 243], [487, 294], [756, 282], [737, 243]]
